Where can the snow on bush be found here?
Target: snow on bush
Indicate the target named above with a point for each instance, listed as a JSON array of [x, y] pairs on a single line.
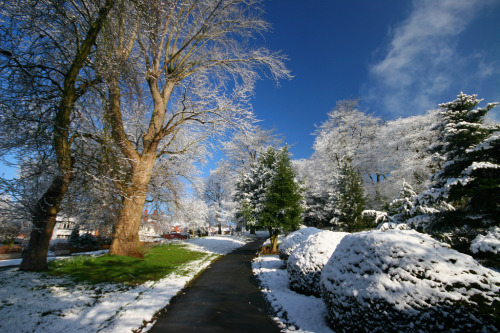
[[392, 225], [293, 240], [488, 243], [308, 259], [401, 280]]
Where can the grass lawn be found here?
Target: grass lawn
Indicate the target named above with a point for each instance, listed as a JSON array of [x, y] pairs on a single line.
[[158, 262]]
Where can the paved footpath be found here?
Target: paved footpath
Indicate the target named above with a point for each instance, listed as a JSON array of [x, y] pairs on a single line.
[[224, 298]]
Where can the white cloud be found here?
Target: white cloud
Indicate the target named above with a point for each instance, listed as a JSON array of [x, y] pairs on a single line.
[[423, 60]]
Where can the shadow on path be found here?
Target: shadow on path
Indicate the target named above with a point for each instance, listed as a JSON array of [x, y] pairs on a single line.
[[224, 298]]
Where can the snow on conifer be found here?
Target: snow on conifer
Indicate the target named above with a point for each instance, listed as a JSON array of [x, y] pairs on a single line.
[[487, 243]]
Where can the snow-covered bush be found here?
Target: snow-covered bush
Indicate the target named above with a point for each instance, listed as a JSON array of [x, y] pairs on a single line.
[[374, 217], [293, 240], [488, 243], [398, 280], [392, 225], [305, 263]]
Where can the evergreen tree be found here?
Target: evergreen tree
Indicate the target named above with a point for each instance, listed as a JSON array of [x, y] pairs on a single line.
[[281, 209], [463, 197], [400, 209], [268, 195], [251, 189], [351, 199], [74, 237]]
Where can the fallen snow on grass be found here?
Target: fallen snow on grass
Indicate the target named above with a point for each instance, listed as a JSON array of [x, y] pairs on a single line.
[[37, 302], [295, 312]]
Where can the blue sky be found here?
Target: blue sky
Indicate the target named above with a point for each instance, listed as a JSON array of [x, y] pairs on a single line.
[[400, 58]]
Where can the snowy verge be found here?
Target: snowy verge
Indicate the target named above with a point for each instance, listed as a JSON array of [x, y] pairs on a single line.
[[295, 312], [37, 302]]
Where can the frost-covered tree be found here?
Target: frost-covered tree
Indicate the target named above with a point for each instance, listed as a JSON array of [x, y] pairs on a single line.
[[44, 56], [400, 209], [351, 200], [193, 64], [251, 188], [461, 199], [319, 193]]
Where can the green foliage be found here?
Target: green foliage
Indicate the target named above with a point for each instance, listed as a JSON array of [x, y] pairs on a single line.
[[74, 237], [269, 196], [157, 263], [351, 200], [281, 207]]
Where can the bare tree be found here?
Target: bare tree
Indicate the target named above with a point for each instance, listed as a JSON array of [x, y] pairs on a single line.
[[44, 51], [200, 62]]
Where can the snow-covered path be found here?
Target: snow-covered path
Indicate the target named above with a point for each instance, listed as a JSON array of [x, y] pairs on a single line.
[[37, 302]]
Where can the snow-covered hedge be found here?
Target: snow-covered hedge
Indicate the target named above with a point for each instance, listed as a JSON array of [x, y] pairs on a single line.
[[405, 281], [308, 259], [488, 243], [293, 240]]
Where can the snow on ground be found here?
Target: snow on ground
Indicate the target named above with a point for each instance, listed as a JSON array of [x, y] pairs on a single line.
[[217, 244], [37, 302], [293, 310]]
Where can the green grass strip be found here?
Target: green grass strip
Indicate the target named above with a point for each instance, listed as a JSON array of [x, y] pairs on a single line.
[[158, 262]]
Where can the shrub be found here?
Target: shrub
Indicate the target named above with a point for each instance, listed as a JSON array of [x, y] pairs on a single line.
[[307, 260], [402, 280], [293, 240]]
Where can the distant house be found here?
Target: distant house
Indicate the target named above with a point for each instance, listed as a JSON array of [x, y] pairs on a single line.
[[149, 229], [65, 225]]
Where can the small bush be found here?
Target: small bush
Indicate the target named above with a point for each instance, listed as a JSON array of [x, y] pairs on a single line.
[[293, 240], [306, 262]]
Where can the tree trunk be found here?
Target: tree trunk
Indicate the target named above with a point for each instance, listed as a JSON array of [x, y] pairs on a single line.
[[252, 230], [44, 220], [126, 236], [273, 236]]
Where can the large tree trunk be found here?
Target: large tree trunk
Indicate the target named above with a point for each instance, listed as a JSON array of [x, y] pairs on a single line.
[[48, 206], [44, 220], [126, 236]]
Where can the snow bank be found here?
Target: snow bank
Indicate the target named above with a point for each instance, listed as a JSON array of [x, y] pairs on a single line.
[[488, 243], [293, 240], [306, 262], [403, 280], [294, 312]]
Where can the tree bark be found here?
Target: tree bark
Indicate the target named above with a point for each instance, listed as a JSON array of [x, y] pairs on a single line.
[[48, 206], [126, 240]]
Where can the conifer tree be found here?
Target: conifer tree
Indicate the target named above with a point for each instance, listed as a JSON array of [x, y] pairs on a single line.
[[269, 196], [351, 199], [463, 197], [281, 209], [400, 209]]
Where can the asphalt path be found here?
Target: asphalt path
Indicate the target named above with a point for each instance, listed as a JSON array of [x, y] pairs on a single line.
[[224, 298]]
